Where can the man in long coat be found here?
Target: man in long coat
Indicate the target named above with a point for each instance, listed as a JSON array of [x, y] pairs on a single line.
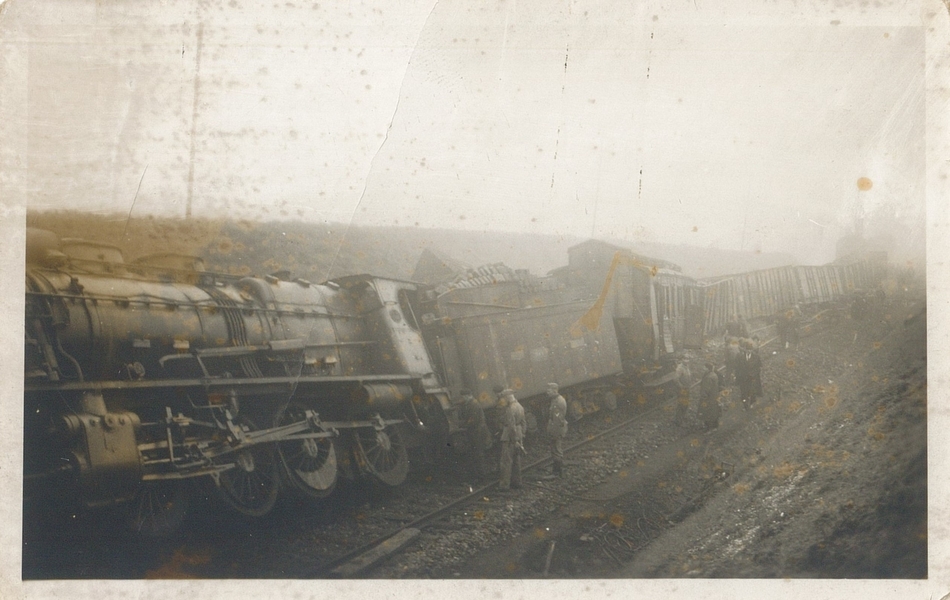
[[513, 427], [731, 359], [749, 374], [557, 428], [478, 437], [709, 388], [683, 383]]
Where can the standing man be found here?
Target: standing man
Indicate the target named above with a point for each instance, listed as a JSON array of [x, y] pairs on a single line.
[[731, 360], [793, 325], [732, 327], [743, 327], [478, 437], [709, 388], [782, 320], [557, 428], [683, 383], [513, 427], [749, 374]]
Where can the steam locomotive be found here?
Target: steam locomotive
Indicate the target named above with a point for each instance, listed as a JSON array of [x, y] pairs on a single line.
[[144, 376]]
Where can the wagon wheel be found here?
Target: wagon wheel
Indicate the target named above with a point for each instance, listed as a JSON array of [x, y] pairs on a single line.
[[250, 486], [308, 466], [382, 454], [158, 508]]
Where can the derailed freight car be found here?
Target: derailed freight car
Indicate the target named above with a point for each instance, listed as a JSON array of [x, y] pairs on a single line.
[[765, 293], [654, 309]]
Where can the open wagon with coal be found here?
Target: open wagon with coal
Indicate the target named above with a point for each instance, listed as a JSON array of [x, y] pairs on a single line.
[[522, 333]]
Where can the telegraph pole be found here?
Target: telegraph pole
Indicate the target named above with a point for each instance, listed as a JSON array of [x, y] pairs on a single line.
[[194, 123]]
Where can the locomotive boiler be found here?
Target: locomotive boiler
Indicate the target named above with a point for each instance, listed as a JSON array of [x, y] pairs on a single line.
[[144, 377]]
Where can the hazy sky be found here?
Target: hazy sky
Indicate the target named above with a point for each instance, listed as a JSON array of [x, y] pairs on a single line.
[[740, 125]]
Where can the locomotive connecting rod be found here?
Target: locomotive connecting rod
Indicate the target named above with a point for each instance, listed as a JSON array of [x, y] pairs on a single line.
[[299, 430]]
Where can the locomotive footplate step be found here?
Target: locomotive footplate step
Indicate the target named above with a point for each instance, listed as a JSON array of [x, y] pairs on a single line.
[[375, 555]]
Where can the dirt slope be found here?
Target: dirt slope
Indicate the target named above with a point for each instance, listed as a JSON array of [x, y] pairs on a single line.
[[830, 474]]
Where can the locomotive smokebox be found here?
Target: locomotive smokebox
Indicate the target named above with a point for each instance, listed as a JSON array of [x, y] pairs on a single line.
[[382, 396]]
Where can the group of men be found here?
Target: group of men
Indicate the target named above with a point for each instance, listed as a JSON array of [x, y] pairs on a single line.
[[709, 410], [743, 368], [513, 426]]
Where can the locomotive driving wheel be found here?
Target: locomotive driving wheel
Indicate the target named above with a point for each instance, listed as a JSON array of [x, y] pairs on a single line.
[[158, 508], [308, 466], [250, 486], [382, 453]]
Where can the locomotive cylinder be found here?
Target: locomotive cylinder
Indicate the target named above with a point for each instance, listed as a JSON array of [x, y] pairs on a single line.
[[104, 451], [382, 396]]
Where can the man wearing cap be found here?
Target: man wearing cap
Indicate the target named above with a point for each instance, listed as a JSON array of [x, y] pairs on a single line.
[[478, 437], [513, 427], [557, 428], [709, 409]]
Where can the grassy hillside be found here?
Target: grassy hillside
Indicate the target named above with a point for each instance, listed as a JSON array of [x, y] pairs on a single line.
[[317, 252]]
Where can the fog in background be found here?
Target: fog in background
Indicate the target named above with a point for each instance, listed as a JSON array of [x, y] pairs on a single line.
[[756, 127]]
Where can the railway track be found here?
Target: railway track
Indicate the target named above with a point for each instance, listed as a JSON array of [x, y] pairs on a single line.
[[371, 554]]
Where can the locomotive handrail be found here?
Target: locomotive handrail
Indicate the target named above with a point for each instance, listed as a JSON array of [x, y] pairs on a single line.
[[274, 346], [160, 300]]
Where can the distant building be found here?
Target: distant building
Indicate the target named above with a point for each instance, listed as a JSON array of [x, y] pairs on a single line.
[[588, 262]]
